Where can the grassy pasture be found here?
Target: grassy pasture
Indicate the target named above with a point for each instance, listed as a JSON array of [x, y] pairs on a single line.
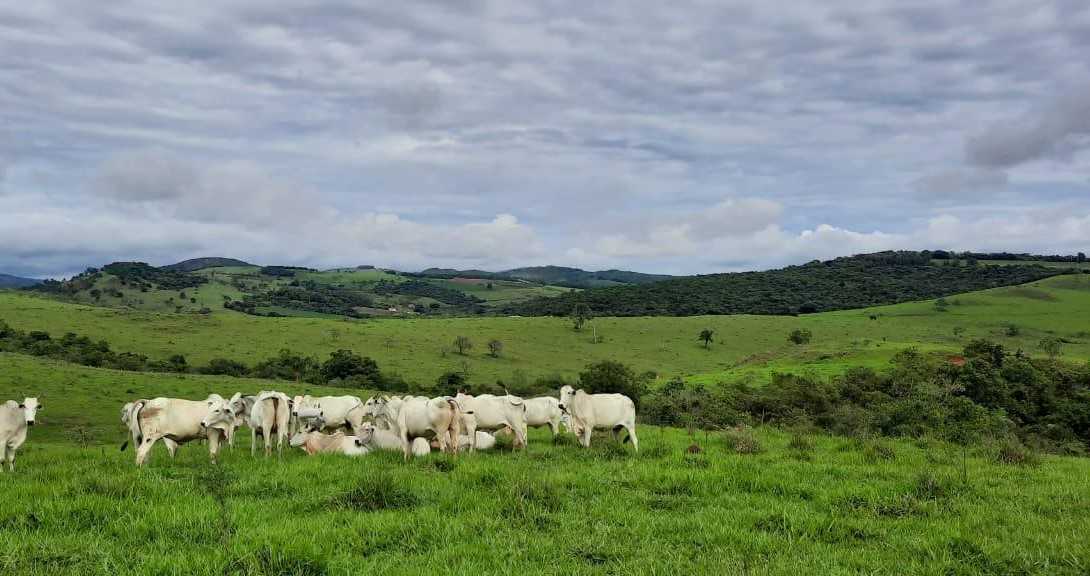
[[744, 346], [828, 506]]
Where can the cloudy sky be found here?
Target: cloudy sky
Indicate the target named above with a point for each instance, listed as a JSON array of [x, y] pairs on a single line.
[[675, 137]]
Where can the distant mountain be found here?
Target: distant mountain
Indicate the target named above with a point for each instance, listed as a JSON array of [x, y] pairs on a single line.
[[194, 264], [9, 281], [844, 283], [554, 275]]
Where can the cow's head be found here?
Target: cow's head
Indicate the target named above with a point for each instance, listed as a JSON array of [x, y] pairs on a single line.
[[219, 415], [126, 412], [375, 406], [365, 433], [566, 394], [296, 404], [30, 408]]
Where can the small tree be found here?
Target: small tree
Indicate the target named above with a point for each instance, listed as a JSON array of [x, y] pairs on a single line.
[[941, 305], [494, 348], [1051, 346], [463, 345], [800, 336], [580, 315], [706, 336]]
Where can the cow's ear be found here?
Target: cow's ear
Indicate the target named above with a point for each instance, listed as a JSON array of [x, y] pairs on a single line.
[[22, 406]]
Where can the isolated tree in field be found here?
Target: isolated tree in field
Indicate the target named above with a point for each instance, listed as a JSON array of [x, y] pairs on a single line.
[[1051, 346], [494, 348], [463, 345], [941, 305], [706, 336], [608, 377], [800, 336], [580, 315]]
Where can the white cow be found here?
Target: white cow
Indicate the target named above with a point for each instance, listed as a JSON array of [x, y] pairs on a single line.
[[495, 413], [415, 416], [375, 438], [314, 442], [242, 406], [270, 415], [337, 411], [176, 421], [15, 418], [485, 441], [421, 447], [589, 412], [544, 411]]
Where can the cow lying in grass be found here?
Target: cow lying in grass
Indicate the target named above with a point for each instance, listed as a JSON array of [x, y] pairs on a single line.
[[314, 442]]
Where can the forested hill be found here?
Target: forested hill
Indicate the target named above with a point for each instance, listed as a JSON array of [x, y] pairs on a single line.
[[849, 282], [194, 264], [551, 275]]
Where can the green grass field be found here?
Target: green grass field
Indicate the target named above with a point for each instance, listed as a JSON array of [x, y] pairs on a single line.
[[420, 349], [76, 505]]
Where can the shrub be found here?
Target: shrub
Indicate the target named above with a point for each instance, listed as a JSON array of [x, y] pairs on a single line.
[[612, 377], [742, 440], [800, 336], [1013, 452], [877, 450]]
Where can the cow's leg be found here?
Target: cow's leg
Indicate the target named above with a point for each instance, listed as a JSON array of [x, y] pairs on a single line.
[[11, 459], [253, 441], [266, 432], [214, 444], [3, 453], [145, 449], [554, 427], [521, 436], [631, 427], [585, 440], [172, 447]]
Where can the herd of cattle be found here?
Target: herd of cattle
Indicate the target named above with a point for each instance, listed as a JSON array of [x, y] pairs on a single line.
[[413, 425]]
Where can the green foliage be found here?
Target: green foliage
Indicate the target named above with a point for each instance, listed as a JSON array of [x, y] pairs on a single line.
[[1051, 346], [800, 336], [352, 370], [462, 345], [580, 315], [428, 290], [706, 336], [609, 377], [742, 440], [851, 282], [495, 347]]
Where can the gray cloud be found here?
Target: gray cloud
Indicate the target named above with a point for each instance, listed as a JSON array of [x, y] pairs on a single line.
[[1055, 130], [610, 132]]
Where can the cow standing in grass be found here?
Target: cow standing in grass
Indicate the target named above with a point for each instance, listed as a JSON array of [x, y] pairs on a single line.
[[589, 412], [338, 412], [176, 421], [270, 416], [15, 418], [494, 413]]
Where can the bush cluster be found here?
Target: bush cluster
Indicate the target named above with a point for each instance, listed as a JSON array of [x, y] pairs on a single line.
[[993, 395], [843, 283]]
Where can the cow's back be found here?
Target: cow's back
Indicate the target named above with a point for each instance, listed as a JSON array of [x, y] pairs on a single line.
[[173, 417]]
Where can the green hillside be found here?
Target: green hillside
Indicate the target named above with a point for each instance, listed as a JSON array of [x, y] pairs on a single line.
[[550, 275], [420, 349], [194, 264], [843, 283], [790, 503]]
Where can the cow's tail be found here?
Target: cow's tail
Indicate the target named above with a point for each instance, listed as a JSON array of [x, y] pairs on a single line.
[[135, 430], [455, 428]]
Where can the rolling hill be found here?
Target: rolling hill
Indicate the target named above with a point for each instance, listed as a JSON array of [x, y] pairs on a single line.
[[552, 275], [194, 264], [843, 283], [9, 281]]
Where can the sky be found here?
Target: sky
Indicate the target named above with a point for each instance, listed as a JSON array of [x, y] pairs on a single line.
[[672, 137]]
